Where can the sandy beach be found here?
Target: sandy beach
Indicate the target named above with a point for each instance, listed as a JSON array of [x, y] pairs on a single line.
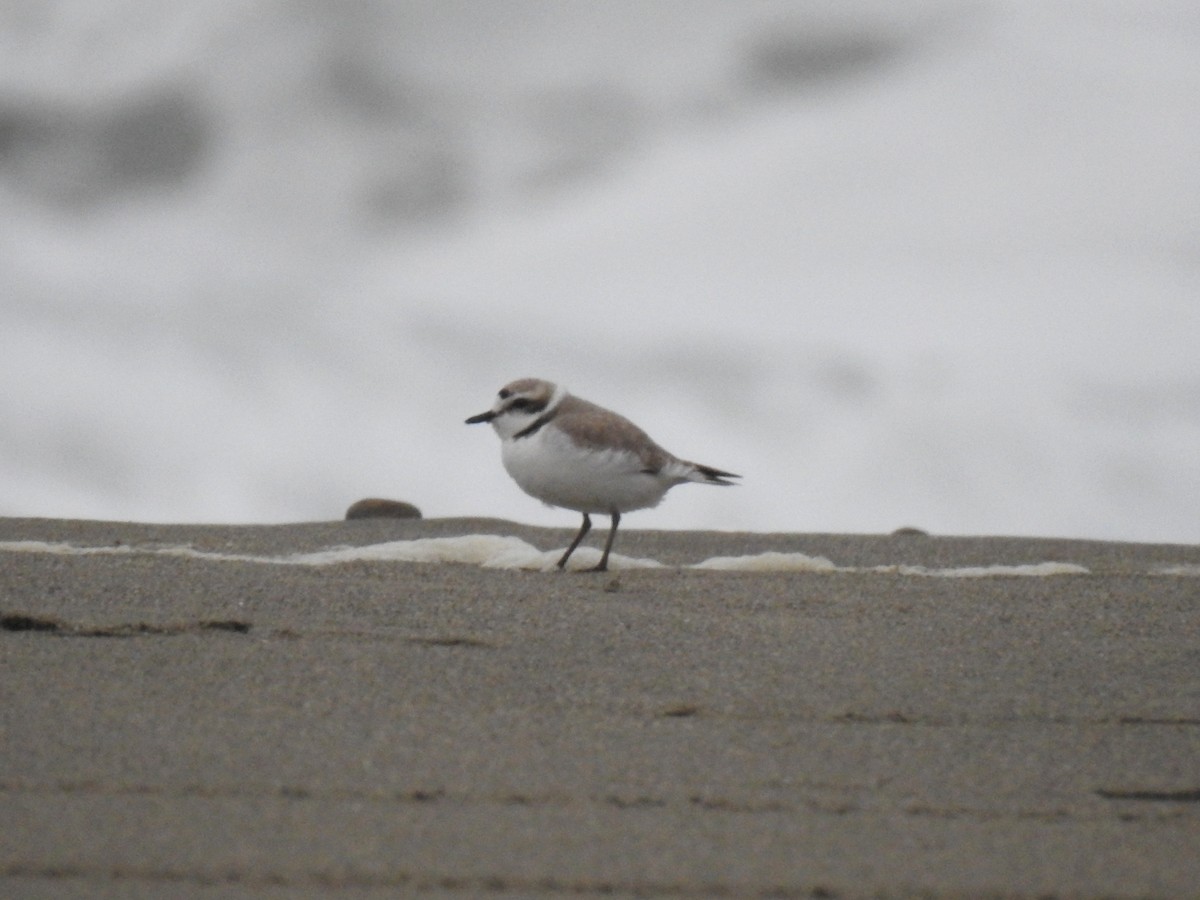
[[187, 711]]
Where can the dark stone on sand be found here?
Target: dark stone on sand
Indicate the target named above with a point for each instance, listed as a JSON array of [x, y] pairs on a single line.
[[910, 531], [375, 508]]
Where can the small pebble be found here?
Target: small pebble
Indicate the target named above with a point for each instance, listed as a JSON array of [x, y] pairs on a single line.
[[375, 508]]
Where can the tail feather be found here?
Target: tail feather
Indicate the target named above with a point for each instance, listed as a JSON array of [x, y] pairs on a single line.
[[709, 475]]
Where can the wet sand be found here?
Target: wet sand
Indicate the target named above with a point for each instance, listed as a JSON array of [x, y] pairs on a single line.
[[187, 727]]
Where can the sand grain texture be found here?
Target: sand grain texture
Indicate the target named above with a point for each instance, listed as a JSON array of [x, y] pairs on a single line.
[[204, 728]]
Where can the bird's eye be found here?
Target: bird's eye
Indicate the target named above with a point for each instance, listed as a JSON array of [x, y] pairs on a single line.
[[521, 403], [505, 393]]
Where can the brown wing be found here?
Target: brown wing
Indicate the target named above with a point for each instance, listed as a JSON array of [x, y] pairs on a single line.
[[594, 427]]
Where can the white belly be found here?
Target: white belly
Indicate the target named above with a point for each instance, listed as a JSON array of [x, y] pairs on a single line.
[[549, 467]]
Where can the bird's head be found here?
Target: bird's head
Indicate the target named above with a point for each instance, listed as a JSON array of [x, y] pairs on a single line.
[[519, 404]]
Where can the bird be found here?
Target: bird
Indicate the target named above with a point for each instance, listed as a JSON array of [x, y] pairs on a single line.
[[571, 453]]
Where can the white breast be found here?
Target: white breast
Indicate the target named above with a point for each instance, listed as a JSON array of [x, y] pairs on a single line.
[[548, 466]]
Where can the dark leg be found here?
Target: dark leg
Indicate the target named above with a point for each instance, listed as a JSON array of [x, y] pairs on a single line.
[[602, 566], [583, 530]]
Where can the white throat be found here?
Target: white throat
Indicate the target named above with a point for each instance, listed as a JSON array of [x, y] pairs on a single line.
[[512, 422]]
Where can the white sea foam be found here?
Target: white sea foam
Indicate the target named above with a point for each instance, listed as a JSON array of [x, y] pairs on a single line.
[[799, 562], [485, 550], [499, 552], [871, 331], [1036, 570], [65, 549], [1187, 570], [771, 561]]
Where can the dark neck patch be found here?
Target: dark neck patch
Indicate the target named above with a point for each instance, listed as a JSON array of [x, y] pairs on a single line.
[[536, 424]]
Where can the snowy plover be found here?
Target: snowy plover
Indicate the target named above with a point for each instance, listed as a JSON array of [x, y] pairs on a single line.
[[571, 453]]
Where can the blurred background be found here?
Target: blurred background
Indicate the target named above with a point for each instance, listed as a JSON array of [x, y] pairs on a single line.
[[923, 263]]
